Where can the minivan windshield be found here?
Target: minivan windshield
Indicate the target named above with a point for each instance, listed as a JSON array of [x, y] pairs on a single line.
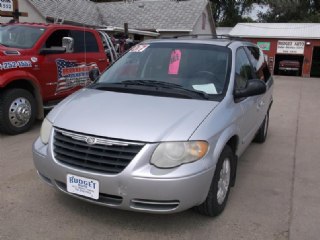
[[17, 36], [194, 67]]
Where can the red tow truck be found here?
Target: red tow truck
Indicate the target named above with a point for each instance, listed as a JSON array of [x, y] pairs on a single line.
[[40, 64]]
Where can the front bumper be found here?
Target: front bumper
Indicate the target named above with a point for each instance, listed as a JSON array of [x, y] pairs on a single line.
[[288, 69], [139, 187]]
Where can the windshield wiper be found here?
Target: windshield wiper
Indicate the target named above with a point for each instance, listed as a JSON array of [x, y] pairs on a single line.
[[151, 83], [154, 83], [4, 45], [157, 85]]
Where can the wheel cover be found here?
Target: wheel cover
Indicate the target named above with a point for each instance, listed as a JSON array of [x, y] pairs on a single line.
[[20, 112], [224, 181]]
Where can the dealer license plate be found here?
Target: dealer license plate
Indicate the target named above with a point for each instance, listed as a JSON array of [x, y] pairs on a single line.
[[83, 186]]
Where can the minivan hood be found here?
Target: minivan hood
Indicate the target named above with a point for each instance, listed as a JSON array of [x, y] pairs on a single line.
[[131, 116]]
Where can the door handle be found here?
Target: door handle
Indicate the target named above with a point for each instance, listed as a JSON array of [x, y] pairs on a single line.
[[102, 60]]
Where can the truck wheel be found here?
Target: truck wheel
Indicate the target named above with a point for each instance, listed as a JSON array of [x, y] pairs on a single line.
[[262, 133], [220, 185], [17, 111]]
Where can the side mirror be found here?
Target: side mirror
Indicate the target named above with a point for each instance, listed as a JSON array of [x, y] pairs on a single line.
[[253, 88], [94, 74], [68, 44], [52, 50]]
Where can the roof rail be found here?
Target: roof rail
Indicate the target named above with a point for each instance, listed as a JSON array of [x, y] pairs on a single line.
[[208, 36]]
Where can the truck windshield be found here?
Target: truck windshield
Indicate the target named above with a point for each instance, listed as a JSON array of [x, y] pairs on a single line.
[[194, 67], [19, 36]]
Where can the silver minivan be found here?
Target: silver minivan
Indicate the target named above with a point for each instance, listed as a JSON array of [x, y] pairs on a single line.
[[162, 129]]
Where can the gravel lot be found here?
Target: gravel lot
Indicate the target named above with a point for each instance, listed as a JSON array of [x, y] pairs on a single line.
[[277, 193]]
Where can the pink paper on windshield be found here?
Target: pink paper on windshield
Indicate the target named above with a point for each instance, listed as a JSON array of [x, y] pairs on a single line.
[[174, 62]]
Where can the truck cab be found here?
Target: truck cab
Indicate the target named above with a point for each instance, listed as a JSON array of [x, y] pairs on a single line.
[[40, 64]]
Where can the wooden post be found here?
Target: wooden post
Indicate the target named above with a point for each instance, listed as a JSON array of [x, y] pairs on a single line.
[[126, 30], [15, 14]]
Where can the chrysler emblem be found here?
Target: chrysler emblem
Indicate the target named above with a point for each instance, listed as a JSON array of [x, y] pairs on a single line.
[[90, 140]]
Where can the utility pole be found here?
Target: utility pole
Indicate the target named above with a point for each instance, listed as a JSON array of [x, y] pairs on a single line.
[[126, 30], [12, 5]]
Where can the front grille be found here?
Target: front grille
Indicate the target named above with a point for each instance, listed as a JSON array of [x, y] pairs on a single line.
[[93, 153]]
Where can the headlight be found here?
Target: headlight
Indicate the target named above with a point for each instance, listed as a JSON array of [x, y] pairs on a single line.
[[45, 131], [173, 154]]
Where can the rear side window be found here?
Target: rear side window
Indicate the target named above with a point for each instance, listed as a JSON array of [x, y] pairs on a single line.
[[243, 71], [84, 42], [258, 62]]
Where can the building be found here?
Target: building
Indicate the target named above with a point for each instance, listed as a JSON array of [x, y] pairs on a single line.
[[285, 41], [145, 18], [223, 30], [166, 17]]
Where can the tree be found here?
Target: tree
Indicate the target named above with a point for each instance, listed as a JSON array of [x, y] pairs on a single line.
[[291, 11], [229, 12]]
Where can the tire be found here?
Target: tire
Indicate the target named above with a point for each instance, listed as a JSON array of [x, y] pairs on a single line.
[[262, 132], [17, 111], [218, 195]]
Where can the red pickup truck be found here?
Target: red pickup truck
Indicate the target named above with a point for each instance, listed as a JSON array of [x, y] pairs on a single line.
[[40, 64], [289, 66]]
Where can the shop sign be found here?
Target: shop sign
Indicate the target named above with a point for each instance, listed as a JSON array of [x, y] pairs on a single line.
[[6, 5], [265, 46], [290, 47]]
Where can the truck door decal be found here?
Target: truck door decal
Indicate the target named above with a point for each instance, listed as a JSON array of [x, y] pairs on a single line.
[[72, 74], [14, 64], [24, 64]]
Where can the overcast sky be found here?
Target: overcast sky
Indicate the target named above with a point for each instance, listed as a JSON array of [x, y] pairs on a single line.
[[256, 9]]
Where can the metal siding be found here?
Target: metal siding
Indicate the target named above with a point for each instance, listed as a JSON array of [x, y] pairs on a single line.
[[223, 30], [277, 30]]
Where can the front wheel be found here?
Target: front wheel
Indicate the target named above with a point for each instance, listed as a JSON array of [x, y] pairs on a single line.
[[17, 111], [220, 185]]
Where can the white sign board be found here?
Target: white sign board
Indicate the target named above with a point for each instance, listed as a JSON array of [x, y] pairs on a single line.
[[6, 5], [290, 47]]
